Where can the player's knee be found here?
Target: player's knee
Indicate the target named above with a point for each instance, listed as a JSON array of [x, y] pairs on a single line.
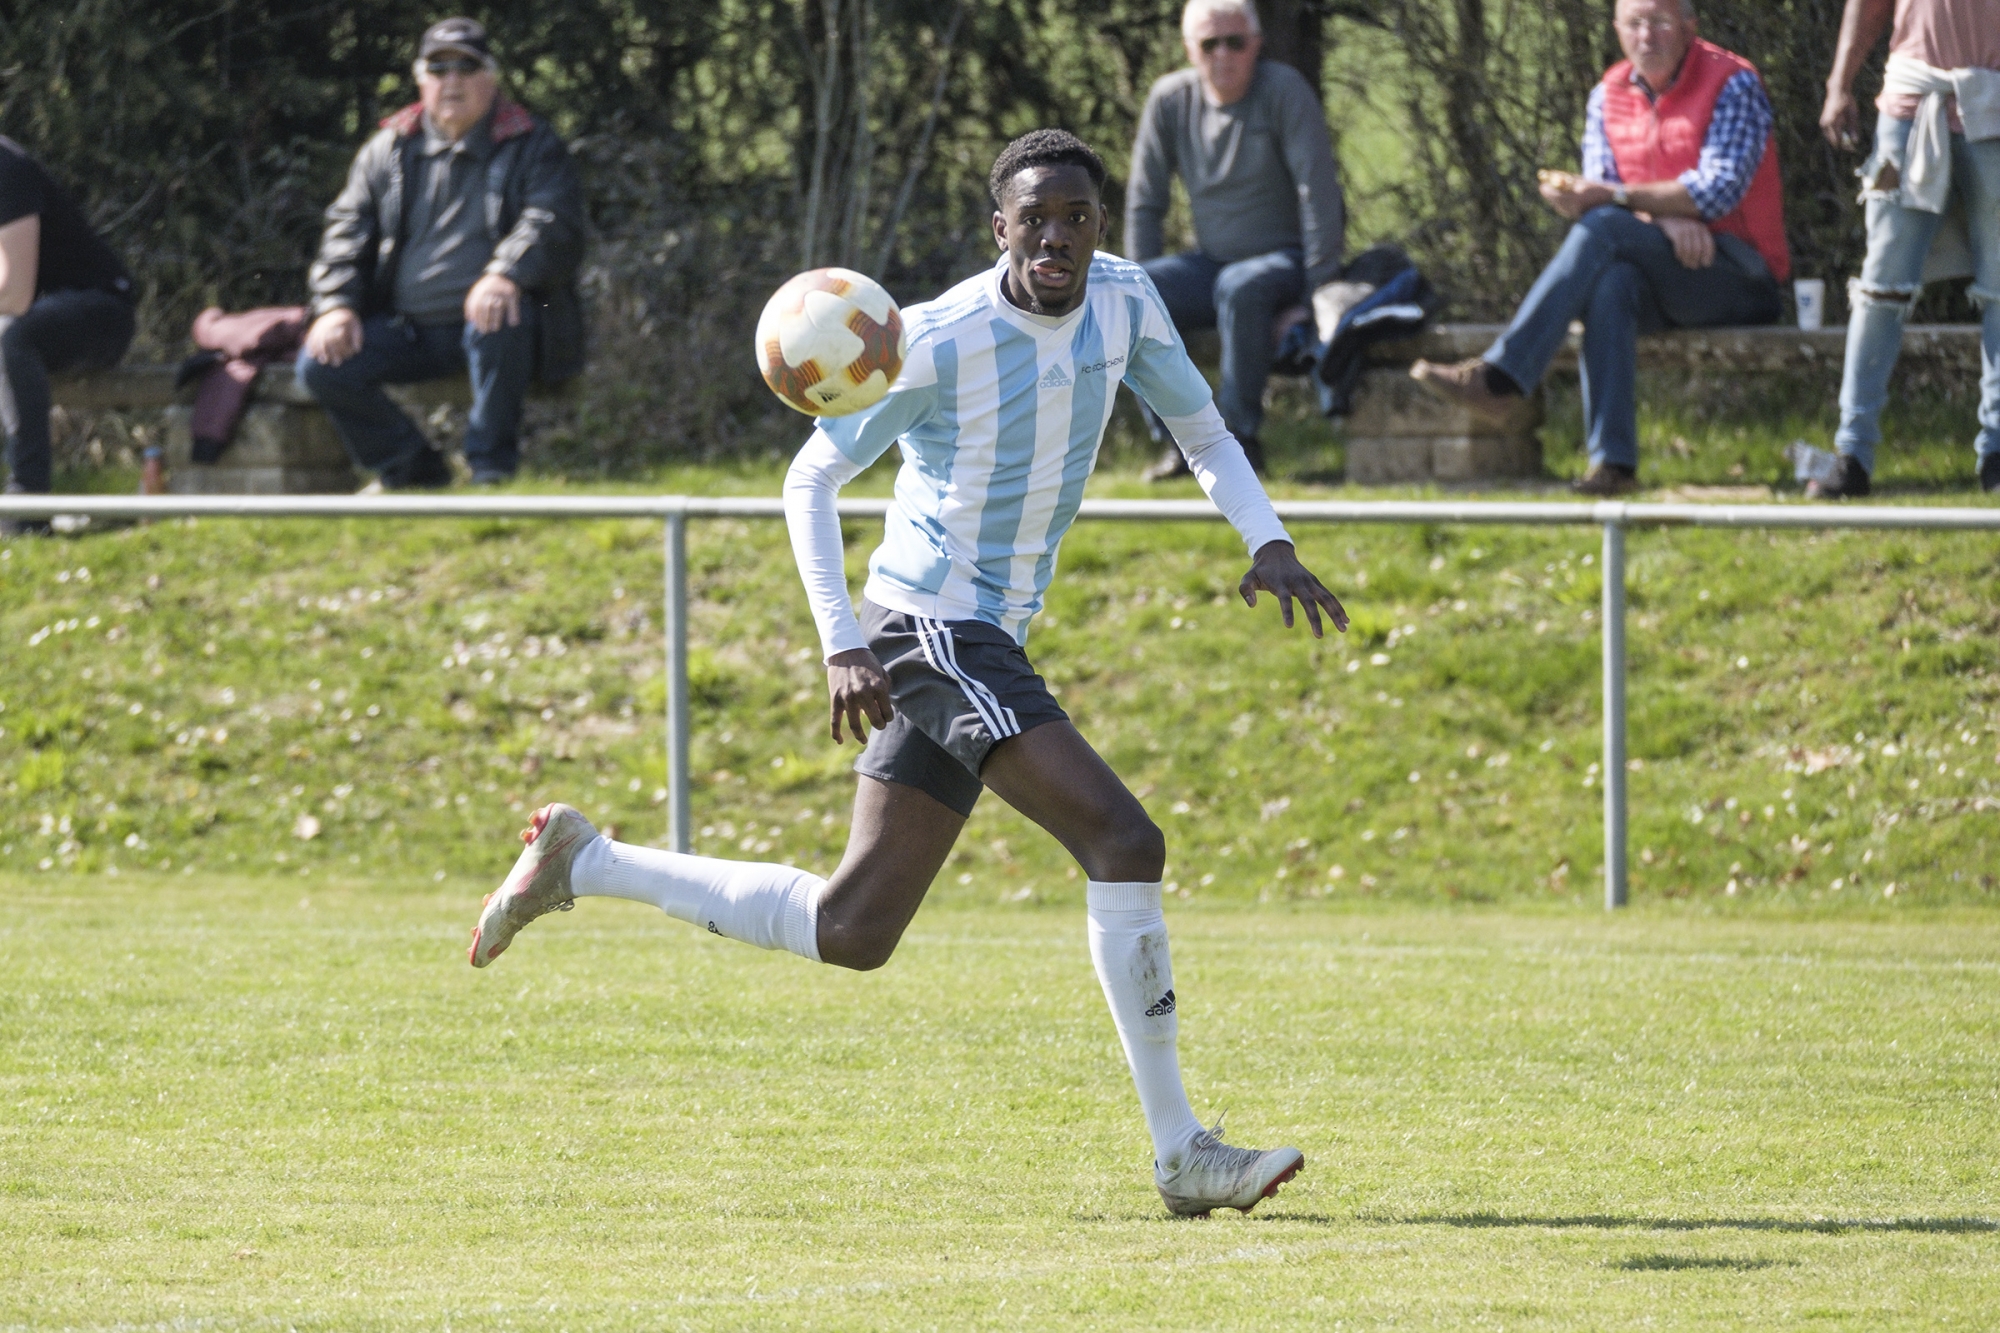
[[857, 952], [1131, 850], [857, 940]]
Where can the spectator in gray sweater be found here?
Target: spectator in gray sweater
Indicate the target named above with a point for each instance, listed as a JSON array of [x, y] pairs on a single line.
[[1248, 139]]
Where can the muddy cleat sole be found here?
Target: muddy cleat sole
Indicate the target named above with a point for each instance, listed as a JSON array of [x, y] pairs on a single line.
[[538, 884], [1212, 1174]]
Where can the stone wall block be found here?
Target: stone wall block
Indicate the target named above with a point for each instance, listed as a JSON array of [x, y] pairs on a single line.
[[1389, 403], [279, 449]]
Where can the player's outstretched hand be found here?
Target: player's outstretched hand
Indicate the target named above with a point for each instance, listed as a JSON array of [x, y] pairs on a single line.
[[1277, 571], [857, 687]]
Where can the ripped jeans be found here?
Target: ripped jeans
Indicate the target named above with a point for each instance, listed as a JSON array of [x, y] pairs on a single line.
[[1898, 240]]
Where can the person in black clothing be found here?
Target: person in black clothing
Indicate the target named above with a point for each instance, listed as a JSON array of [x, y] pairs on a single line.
[[65, 304], [453, 248]]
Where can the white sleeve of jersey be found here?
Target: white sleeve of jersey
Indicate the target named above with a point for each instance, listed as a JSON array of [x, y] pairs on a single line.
[[1225, 474], [812, 487]]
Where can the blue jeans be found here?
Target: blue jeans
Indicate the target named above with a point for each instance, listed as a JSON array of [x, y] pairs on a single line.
[[65, 330], [1239, 301], [1879, 301], [1619, 276], [381, 437]]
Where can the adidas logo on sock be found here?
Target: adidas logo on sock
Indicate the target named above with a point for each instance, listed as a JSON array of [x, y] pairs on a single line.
[[1053, 378], [1163, 1008], [712, 930]]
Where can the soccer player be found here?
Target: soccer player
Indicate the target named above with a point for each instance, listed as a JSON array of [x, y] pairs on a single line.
[[1000, 409]]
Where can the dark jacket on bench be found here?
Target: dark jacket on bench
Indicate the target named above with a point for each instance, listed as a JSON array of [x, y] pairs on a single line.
[[534, 212]]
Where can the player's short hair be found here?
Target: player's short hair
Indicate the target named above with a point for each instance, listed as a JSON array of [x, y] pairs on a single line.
[[1043, 148], [1200, 9]]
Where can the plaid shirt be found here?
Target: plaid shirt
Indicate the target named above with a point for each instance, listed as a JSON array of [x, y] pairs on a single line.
[[1738, 131]]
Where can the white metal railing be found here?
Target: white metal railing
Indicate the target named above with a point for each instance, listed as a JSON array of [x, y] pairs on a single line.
[[675, 510]]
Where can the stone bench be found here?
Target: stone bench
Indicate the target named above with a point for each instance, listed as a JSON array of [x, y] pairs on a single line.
[[284, 445], [1401, 432]]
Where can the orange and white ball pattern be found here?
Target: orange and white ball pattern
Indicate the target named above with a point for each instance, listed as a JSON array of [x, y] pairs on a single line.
[[830, 342]]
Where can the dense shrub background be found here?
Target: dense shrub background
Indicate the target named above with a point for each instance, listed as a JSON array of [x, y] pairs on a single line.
[[729, 142]]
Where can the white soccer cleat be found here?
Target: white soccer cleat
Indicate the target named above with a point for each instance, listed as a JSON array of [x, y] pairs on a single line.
[[1211, 1175], [538, 884]]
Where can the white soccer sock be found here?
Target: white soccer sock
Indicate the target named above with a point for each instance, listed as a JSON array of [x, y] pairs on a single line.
[[1128, 946], [770, 906]]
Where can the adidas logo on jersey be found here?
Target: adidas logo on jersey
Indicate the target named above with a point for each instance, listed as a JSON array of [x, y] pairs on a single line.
[[1163, 1008], [1053, 378]]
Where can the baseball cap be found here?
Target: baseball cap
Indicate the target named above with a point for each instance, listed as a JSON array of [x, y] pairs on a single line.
[[458, 34]]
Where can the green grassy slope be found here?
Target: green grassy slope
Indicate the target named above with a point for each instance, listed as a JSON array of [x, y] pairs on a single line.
[[1814, 718], [255, 1103]]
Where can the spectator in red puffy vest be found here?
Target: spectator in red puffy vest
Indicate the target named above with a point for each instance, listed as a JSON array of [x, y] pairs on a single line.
[[1679, 224]]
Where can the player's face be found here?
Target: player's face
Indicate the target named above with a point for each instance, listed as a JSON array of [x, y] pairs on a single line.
[[1050, 224]]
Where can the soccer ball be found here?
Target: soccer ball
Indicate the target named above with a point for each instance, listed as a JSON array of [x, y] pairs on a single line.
[[830, 342]]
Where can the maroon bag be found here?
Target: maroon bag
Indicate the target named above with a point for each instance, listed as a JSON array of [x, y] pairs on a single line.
[[235, 348]]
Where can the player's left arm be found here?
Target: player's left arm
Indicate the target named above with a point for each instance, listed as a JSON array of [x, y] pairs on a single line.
[[1161, 373], [1217, 461]]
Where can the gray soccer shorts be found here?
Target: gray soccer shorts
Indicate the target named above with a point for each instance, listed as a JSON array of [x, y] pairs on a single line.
[[959, 687]]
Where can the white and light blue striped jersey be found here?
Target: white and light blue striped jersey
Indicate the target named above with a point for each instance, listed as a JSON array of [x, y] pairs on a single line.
[[1000, 416]]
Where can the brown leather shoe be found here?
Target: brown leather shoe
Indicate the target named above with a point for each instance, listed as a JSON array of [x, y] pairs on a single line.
[[1172, 466], [1606, 479], [1464, 383]]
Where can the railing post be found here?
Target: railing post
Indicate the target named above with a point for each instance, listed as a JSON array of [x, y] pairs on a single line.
[[1614, 710], [679, 835]]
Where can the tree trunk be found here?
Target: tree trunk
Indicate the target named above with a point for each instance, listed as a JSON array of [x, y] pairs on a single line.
[[1292, 34]]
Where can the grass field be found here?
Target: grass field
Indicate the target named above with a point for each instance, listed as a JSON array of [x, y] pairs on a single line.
[[1815, 720], [256, 1104], [258, 774]]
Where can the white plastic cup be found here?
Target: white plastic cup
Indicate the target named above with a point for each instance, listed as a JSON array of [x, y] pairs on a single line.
[[1809, 294]]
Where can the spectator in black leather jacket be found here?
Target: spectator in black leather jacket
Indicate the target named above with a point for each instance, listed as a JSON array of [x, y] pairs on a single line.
[[453, 248]]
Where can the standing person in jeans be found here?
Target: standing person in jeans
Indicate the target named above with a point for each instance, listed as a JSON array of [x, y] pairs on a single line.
[[1679, 224], [65, 304], [454, 246], [1248, 139], [1932, 193]]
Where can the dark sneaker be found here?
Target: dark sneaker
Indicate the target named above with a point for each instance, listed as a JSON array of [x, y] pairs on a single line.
[[429, 470], [1172, 466], [1605, 480], [1850, 485], [432, 471], [1989, 473]]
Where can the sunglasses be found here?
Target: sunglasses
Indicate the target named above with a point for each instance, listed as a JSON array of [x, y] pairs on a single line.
[[453, 65], [1235, 41]]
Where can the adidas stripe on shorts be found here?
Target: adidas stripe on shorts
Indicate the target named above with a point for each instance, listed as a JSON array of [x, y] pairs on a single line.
[[959, 687]]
